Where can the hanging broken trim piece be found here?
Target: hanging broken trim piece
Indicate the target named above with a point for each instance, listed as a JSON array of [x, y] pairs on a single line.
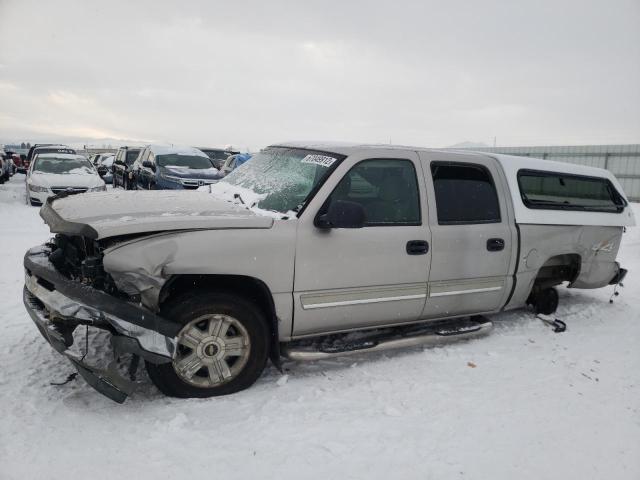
[[558, 325]]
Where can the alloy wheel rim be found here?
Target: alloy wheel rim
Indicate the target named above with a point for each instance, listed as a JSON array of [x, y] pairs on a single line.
[[212, 350]]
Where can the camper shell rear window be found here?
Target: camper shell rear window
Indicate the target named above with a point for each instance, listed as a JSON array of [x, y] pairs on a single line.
[[562, 191]]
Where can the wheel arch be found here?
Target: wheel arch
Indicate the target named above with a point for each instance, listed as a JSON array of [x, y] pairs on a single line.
[[560, 268], [251, 288]]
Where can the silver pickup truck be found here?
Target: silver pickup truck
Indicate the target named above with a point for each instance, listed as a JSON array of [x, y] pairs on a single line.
[[316, 250]]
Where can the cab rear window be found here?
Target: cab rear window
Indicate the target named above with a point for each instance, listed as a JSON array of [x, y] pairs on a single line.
[[558, 191]]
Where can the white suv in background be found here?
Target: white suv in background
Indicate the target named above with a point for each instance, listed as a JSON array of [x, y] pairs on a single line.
[[53, 173]]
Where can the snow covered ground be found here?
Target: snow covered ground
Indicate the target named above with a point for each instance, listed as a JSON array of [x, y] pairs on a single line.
[[522, 403]]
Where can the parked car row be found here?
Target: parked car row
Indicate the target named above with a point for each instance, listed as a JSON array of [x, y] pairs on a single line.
[[232, 162], [173, 168], [56, 169], [52, 168], [218, 156], [105, 168], [121, 169], [104, 164], [11, 163], [7, 166], [162, 167]]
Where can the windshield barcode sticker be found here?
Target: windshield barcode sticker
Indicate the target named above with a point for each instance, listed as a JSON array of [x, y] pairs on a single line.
[[322, 160]]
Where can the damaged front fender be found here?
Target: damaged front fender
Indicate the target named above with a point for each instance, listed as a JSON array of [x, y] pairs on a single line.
[[137, 268]]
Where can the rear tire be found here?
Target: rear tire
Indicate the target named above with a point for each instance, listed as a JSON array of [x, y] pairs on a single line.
[[222, 348], [545, 301]]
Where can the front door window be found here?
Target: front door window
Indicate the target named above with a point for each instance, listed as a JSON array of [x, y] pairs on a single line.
[[386, 189]]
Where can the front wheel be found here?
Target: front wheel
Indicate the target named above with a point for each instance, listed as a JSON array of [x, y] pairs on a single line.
[[222, 347]]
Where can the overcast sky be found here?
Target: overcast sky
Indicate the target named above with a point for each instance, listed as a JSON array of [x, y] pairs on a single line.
[[250, 73]]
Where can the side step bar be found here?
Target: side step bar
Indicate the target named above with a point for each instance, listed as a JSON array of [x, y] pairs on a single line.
[[432, 335]]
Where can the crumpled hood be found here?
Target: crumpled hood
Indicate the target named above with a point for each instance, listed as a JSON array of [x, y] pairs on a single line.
[[66, 179], [110, 214]]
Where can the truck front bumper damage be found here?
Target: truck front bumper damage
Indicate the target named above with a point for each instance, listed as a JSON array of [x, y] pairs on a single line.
[[57, 305]]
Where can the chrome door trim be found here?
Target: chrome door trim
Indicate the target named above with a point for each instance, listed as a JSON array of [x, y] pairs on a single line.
[[361, 296], [462, 287], [358, 302], [461, 292]]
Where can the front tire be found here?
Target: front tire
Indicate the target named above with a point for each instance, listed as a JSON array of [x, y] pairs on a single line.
[[222, 348]]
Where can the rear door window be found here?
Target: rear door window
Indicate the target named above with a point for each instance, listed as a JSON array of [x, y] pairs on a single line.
[[465, 194]]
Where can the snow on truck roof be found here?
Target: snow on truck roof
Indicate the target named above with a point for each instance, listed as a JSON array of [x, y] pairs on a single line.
[[508, 162], [510, 165]]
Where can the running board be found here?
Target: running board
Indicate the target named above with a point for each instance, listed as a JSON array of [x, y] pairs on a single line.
[[434, 335]]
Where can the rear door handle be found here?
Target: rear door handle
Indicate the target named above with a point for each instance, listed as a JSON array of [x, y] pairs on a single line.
[[495, 244], [417, 247]]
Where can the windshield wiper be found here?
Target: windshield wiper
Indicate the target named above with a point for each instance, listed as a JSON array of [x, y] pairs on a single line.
[[298, 207], [238, 197]]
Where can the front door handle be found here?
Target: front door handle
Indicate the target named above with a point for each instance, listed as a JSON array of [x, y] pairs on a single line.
[[495, 244], [417, 247]]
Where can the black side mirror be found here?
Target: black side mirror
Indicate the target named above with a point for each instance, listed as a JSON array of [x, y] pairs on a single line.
[[102, 170], [342, 214]]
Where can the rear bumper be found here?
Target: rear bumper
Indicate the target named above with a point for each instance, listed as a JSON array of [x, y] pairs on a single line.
[[58, 305], [619, 276]]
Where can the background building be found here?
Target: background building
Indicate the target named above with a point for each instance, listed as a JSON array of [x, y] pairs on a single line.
[[621, 160]]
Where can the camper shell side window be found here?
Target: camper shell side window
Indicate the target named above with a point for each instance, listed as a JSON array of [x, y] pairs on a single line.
[[561, 191]]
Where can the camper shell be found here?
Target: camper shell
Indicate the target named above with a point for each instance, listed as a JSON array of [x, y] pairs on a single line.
[[319, 240]]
